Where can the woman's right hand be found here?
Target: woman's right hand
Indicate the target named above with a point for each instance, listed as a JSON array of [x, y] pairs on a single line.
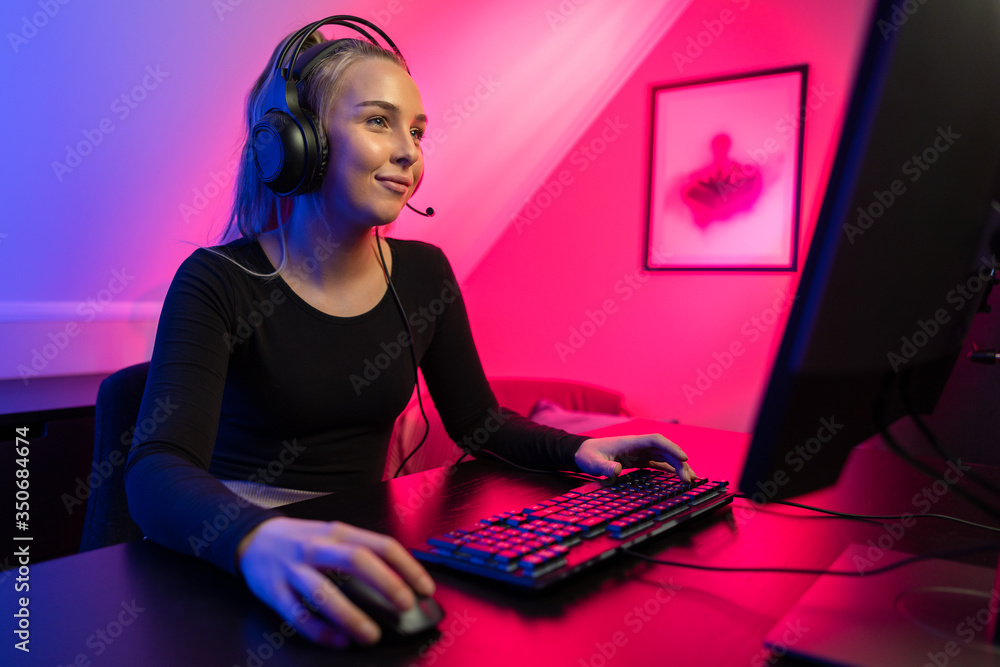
[[285, 561]]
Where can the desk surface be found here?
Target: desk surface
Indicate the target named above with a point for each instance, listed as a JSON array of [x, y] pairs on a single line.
[[141, 604]]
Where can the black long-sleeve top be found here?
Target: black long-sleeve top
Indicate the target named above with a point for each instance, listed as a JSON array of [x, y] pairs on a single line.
[[249, 382]]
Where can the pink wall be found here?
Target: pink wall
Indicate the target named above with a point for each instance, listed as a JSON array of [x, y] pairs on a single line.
[[576, 258], [126, 153]]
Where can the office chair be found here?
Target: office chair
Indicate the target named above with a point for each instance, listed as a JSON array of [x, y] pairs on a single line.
[[107, 521]]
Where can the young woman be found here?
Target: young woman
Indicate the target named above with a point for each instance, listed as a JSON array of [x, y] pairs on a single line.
[[258, 342]]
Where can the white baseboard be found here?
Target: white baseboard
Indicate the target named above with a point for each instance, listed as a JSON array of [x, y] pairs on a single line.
[[42, 339]]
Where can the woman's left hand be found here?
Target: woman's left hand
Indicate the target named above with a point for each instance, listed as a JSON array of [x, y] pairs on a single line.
[[605, 456]]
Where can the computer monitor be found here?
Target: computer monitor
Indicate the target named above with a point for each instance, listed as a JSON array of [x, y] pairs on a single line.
[[895, 271], [898, 266]]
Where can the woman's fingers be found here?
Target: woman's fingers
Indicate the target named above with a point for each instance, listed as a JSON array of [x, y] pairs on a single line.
[[332, 606], [290, 606], [287, 562], [595, 455], [355, 560], [392, 558], [658, 441], [655, 449], [685, 472]]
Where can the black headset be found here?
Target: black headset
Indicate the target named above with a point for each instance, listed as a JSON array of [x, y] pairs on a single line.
[[290, 150]]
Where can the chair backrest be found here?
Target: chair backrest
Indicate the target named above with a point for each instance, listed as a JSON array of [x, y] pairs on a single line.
[[118, 398]]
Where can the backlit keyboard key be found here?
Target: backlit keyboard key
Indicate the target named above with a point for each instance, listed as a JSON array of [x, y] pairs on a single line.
[[481, 550], [507, 556], [531, 562], [545, 511], [527, 546], [445, 542]]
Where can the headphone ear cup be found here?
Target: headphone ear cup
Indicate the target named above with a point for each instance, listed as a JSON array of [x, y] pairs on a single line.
[[322, 149], [278, 156]]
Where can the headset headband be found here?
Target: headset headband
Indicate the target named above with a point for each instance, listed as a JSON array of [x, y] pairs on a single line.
[[288, 141], [345, 20]]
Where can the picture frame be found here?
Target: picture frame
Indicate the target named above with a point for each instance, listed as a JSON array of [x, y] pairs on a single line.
[[725, 172]]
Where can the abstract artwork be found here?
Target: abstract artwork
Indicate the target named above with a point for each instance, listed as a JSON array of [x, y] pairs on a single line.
[[725, 169]]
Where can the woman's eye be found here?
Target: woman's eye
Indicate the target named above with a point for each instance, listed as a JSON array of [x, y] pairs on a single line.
[[417, 133], [379, 120]]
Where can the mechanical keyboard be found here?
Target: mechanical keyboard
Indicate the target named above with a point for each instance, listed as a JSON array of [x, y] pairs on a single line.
[[546, 542]]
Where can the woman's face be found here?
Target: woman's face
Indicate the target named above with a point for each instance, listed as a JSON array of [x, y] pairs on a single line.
[[374, 132]]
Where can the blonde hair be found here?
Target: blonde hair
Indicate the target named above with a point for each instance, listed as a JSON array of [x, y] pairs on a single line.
[[255, 208]]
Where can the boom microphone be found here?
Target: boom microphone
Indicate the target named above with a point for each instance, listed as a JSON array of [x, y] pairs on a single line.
[[428, 214]]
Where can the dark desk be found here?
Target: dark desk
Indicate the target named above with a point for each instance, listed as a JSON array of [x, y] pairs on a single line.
[[140, 604]]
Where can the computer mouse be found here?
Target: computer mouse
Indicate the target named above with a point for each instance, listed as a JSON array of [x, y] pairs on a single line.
[[395, 624]]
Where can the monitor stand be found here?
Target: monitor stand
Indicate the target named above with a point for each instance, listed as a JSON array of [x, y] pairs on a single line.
[[931, 612]]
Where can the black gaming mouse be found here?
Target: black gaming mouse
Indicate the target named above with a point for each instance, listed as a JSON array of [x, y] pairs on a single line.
[[395, 624]]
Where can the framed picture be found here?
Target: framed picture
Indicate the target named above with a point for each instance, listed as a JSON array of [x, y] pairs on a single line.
[[725, 172]]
